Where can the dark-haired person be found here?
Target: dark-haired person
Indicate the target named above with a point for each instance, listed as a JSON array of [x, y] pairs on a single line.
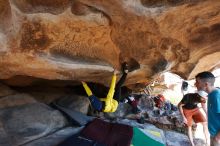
[[184, 87], [190, 112], [205, 81]]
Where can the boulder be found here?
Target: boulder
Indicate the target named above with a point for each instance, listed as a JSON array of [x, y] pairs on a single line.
[[16, 100], [26, 120], [178, 139], [5, 90], [55, 138], [75, 102]]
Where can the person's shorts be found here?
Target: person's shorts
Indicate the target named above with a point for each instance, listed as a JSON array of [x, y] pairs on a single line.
[[193, 115]]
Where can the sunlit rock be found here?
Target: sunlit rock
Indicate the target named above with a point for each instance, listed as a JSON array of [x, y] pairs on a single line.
[[88, 39]]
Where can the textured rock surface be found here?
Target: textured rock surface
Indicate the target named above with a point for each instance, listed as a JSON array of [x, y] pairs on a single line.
[[86, 39], [16, 100], [55, 138], [25, 120], [5, 90], [175, 138], [75, 102]]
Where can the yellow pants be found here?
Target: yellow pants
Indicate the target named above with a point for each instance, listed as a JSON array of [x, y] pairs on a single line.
[[111, 105]]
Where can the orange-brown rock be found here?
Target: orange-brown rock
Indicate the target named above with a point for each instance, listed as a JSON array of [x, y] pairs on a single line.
[[87, 39]]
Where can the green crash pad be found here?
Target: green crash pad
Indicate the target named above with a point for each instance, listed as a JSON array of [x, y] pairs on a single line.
[[143, 137]]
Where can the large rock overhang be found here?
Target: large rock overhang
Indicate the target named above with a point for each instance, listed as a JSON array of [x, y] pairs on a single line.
[[87, 39]]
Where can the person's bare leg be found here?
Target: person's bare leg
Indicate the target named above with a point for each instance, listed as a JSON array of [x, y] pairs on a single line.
[[206, 133], [190, 135]]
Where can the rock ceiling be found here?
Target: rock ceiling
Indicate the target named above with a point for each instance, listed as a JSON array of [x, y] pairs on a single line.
[[86, 39]]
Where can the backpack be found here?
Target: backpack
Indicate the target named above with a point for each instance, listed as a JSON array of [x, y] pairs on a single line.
[[159, 100]]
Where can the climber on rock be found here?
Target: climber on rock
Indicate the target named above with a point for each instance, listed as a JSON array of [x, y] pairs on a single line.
[[110, 103]]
